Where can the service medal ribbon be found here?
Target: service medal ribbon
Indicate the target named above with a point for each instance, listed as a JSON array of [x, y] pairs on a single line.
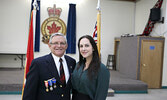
[[50, 84], [46, 85], [54, 82]]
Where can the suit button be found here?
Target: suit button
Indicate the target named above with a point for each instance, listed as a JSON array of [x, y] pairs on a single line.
[[62, 95], [61, 86]]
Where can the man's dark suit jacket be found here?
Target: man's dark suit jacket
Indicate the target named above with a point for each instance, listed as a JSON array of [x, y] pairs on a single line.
[[44, 68]]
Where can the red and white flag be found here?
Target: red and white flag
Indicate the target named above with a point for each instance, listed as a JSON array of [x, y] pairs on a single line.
[[30, 48], [95, 33]]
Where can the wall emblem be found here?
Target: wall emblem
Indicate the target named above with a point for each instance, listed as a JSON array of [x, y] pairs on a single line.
[[52, 24]]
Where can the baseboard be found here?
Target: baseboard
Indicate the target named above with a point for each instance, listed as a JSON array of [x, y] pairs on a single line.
[[130, 92], [10, 92], [164, 87]]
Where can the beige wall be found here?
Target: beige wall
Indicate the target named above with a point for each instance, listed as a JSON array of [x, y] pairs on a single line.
[[117, 18], [141, 17]]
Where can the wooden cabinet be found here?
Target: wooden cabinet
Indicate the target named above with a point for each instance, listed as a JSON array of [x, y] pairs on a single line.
[[142, 58]]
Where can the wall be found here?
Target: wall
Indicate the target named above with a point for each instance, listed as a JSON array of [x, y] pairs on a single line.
[[164, 82], [14, 25], [117, 18], [114, 20], [141, 17]]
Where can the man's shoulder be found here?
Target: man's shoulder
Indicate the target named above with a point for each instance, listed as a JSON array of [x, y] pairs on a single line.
[[68, 57], [42, 57]]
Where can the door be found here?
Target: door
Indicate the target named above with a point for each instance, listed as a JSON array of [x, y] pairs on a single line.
[[151, 62]]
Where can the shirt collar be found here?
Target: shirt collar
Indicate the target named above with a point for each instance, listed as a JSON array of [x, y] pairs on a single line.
[[56, 58]]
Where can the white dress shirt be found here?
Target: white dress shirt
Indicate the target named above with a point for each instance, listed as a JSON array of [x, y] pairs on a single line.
[[66, 71]]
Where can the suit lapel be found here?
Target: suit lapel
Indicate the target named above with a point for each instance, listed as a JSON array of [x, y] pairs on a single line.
[[69, 67], [52, 67], [53, 70]]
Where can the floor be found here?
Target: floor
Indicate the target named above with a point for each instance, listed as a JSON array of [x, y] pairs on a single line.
[[6, 78], [153, 94]]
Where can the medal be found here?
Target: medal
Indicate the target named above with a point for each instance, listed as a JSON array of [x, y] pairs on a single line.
[[54, 82], [46, 85], [50, 84]]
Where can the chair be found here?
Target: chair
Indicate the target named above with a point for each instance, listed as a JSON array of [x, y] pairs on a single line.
[[110, 62]]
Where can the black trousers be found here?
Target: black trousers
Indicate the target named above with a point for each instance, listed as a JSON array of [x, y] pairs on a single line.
[[80, 96]]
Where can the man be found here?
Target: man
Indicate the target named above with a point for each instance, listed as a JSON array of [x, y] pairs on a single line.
[[43, 80]]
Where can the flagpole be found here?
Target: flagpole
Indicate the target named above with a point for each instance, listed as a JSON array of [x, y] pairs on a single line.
[[30, 46], [35, 5], [98, 27]]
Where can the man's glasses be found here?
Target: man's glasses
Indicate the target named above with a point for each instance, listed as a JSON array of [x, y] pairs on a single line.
[[58, 43]]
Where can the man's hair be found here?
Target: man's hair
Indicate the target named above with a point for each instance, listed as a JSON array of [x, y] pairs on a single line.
[[57, 34]]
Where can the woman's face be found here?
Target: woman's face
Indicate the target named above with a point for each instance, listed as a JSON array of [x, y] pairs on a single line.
[[86, 48]]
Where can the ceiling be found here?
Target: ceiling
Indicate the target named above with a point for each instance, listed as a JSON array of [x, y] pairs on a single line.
[[126, 0]]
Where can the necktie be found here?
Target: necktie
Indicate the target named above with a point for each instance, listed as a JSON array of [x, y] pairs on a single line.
[[62, 75]]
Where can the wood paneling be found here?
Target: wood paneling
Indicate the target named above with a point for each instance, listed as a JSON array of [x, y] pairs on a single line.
[[151, 63]]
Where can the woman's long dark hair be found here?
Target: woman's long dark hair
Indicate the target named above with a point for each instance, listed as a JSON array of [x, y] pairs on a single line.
[[95, 63]]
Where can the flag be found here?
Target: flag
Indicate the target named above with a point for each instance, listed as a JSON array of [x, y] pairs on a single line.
[[71, 29], [95, 33], [36, 25], [150, 24], [98, 27], [30, 47]]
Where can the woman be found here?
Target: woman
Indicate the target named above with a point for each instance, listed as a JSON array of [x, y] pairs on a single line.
[[90, 79]]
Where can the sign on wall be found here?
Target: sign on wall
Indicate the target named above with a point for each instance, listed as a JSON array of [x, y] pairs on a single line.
[[53, 24]]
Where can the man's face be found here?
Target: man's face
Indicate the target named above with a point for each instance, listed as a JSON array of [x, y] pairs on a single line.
[[58, 46]]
